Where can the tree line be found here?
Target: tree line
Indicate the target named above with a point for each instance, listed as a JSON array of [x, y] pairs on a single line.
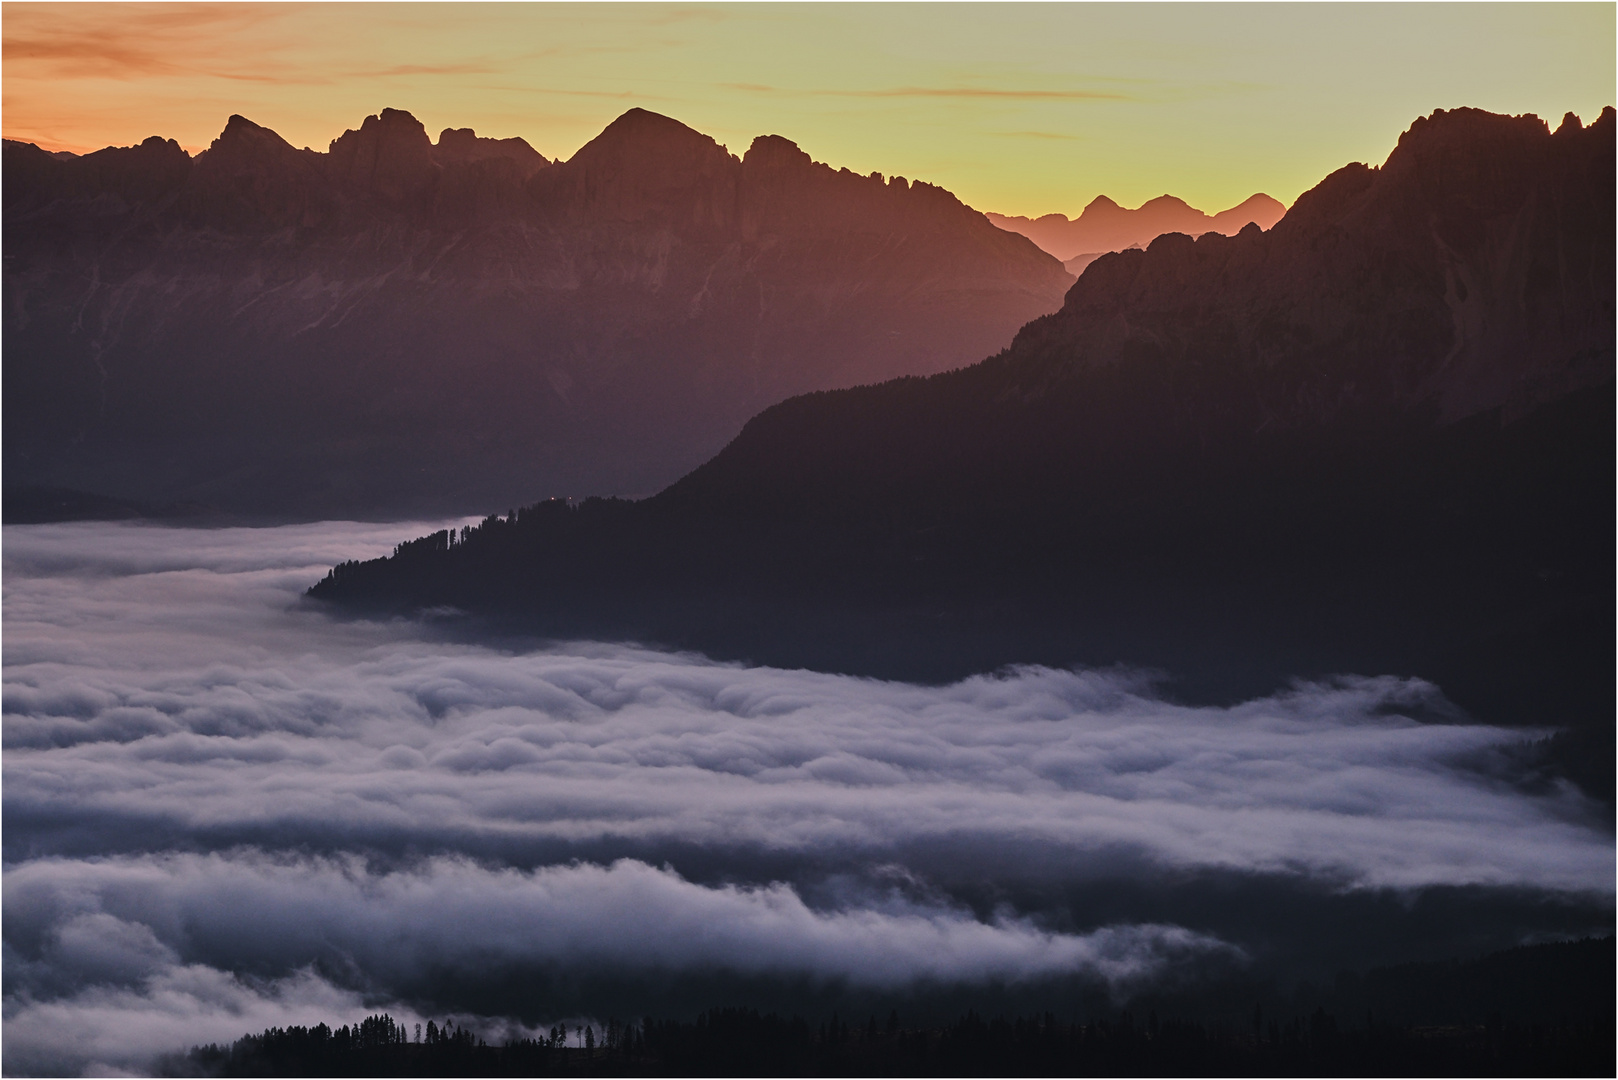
[[741, 1041]]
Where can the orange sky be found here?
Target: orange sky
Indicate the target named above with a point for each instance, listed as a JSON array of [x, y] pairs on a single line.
[[1018, 108]]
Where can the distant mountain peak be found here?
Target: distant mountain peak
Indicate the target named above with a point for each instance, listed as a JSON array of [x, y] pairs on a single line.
[[390, 155], [237, 123], [646, 165], [1105, 226], [775, 152], [240, 131], [1165, 202], [638, 115], [463, 145], [244, 145], [644, 139], [642, 127], [390, 125]]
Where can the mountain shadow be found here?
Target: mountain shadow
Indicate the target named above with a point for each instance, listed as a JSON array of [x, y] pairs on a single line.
[[401, 326], [1376, 439]]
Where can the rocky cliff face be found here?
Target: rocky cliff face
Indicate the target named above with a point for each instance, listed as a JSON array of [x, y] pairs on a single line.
[[1472, 271], [398, 325]]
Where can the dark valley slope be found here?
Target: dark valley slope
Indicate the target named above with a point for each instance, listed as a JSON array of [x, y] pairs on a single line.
[[1377, 439], [401, 326]]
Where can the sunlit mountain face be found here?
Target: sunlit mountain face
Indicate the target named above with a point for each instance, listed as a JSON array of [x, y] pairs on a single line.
[[769, 545]]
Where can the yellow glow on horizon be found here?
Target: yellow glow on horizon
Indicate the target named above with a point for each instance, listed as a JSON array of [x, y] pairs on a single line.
[[1017, 108]]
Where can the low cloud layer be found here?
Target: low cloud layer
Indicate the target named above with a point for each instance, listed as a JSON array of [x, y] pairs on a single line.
[[156, 690], [121, 1030], [122, 920], [99, 945], [204, 774]]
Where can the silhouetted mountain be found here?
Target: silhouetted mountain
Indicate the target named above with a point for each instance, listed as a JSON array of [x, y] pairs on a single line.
[[401, 326], [1375, 439], [1105, 226]]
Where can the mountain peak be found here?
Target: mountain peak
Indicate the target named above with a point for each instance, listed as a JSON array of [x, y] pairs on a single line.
[[1106, 226], [1471, 128], [464, 145], [774, 151], [1167, 202], [390, 125], [247, 147], [642, 140], [242, 132], [646, 164], [1256, 200], [643, 125], [390, 156]]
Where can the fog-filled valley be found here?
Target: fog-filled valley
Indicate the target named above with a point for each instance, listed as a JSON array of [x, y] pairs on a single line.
[[515, 833]]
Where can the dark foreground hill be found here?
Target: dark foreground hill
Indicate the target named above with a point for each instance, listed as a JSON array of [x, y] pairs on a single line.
[[1537, 1011], [400, 326], [1377, 439]]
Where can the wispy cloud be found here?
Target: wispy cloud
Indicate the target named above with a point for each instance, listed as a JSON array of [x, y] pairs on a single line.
[[129, 42]]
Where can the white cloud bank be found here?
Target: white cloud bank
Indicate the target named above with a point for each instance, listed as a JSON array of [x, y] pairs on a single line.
[[167, 696], [105, 983], [200, 702]]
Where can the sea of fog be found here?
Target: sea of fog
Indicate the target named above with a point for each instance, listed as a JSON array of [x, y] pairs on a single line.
[[225, 809]]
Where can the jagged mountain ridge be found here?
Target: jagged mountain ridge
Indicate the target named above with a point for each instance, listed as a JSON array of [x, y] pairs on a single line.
[[1466, 274], [1375, 439], [1105, 226], [402, 326]]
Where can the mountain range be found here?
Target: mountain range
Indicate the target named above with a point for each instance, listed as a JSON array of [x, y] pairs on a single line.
[[1105, 226], [1375, 439], [400, 326]]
